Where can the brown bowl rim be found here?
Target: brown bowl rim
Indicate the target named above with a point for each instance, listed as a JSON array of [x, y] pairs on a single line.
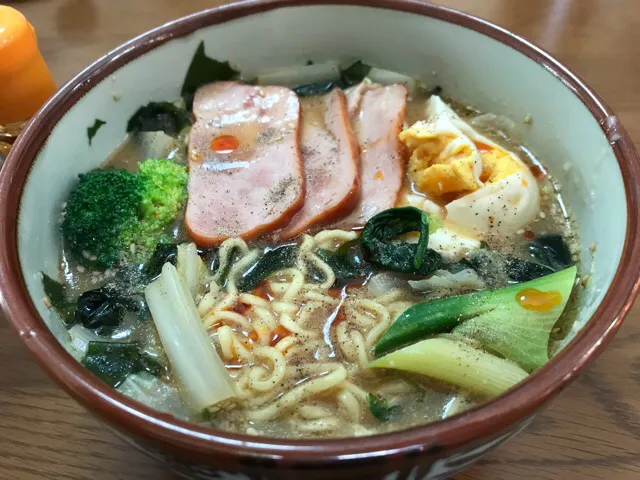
[[484, 421]]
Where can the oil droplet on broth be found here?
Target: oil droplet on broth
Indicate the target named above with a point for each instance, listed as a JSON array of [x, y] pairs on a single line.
[[537, 300], [224, 144]]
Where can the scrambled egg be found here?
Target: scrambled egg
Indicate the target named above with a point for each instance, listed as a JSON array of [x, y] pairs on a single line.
[[483, 188]]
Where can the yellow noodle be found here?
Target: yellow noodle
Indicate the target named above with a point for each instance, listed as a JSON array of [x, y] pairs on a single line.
[[350, 404], [301, 392], [238, 267], [321, 425], [314, 412], [224, 254], [262, 380], [226, 316], [332, 239]]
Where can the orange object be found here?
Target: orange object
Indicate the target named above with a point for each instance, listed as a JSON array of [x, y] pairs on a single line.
[[537, 300], [25, 81], [224, 144]]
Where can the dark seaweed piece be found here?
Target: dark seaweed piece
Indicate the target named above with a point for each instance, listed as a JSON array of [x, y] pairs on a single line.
[[350, 76], [210, 257], [488, 264], [56, 292], [100, 310], [164, 252], [317, 88], [347, 262], [437, 90], [147, 363], [93, 129], [159, 116], [519, 270], [113, 362], [203, 70], [273, 260], [381, 249], [380, 408], [354, 74], [550, 250]]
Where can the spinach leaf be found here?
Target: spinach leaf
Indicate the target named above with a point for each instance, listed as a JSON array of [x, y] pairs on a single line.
[[380, 408], [92, 130], [114, 362], [551, 250], [347, 262], [164, 252], [380, 248], [159, 116], [203, 70], [349, 77], [57, 294], [273, 259]]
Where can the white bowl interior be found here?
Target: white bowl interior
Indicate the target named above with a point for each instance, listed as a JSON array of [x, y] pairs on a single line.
[[471, 66]]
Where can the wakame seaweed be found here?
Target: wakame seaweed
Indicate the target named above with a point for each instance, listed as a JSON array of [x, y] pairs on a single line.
[[159, 116], [349, 77], [381, 247], [93, 129], [347, 262], [203, 70], [273, 260], [56, 292], [113, 362], [550, 250], [164, 252]]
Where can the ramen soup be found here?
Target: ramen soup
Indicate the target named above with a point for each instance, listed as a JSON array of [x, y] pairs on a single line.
[[316, 252]]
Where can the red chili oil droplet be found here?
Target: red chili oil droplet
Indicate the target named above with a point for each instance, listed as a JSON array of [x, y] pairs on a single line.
[[528, 234], [278, 334], [224, 144], [538, 301], [538, 171], [483, 147]]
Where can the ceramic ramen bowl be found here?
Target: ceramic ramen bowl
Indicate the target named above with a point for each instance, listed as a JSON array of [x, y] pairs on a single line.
[[576, 135]]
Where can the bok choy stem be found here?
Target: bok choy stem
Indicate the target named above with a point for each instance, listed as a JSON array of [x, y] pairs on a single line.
[[205, 383]]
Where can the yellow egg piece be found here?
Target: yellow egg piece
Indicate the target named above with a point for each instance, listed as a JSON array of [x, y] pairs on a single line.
[[441, 162], [498, 164]]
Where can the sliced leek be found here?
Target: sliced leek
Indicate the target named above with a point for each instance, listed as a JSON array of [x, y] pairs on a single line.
[[457, 363], [205, 383], [189, 267]]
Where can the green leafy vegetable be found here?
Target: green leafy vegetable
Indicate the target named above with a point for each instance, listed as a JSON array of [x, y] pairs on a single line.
[[92, 130], [493, 317], [159, 116], [457, 363], [203, 70], [273, 260], [350, 76], [57, 294], [381, 249], [380, 408], [114, 362]]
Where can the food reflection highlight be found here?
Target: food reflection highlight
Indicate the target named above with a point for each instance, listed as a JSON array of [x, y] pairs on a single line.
[[333, 251]]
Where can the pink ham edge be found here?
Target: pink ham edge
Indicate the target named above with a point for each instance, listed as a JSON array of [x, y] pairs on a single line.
[[331, 160], [377, 116], [257, 188]]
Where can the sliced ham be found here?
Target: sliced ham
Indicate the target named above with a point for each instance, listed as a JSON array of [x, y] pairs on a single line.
[[331, 158], [254, 187], [377, 117]]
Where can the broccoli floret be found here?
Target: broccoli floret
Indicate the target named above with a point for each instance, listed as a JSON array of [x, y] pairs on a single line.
[[114, 215]]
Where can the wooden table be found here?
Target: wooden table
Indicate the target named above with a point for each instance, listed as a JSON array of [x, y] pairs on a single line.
[[591, 431]]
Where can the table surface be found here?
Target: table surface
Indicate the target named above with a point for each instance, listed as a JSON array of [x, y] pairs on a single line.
[[591, 431]]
